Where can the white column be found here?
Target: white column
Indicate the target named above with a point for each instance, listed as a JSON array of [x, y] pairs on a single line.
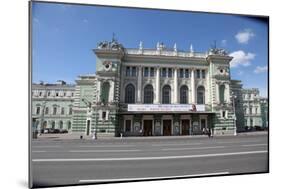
[[139, 85], [193, 90], [157, 85], [111, 91], [175, 85], [227, 93], [217, 93]]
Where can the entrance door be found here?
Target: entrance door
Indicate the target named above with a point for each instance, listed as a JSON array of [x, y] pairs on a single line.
[[185, 127], [147, 127], [167, 127], [88, 127]]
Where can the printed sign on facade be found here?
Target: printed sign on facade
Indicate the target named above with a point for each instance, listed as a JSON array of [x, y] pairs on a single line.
[[166, 108]]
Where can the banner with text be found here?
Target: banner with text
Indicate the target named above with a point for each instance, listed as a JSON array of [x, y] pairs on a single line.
[[166, 108]]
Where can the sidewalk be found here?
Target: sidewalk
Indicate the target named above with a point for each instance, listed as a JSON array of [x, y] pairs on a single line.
[[71, 136]]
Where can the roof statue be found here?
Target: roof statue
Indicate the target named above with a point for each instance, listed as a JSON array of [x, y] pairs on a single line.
[[175, 47], [191, 48], [112, 45], [141, 45]]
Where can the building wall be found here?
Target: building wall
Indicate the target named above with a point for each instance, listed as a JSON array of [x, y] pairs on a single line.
[[52, 106]]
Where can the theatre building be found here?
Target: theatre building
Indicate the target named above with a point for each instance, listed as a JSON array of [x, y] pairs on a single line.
[[155, 92]]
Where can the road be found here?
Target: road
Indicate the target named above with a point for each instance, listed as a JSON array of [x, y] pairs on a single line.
[[70, 162]]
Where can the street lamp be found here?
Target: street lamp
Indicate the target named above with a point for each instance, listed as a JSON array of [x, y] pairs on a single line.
[[43, 110], [89, 105], [233, 103]]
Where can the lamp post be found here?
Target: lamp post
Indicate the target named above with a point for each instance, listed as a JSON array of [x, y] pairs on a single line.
[[43, 110], [233, 103], [89, 105]]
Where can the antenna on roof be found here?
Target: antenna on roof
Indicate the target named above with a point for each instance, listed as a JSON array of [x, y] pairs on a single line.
[[113, 37], [215, 44]]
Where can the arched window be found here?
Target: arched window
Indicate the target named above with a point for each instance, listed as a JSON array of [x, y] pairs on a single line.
[[62, 111], [148, 94], [166, 94], [70, 111], [105, 92], [55, 110], [37, 110], [184, 95], [201, 95], [221, 93], [53, 125], [46, 110], [130, 94], [44, 124], [69, 125], [61, 124]]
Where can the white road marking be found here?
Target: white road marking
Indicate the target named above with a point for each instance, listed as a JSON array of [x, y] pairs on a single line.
[[150, 158], [237, 142], [176, 144], [46, 146], [201, 148], [247, 145], [153, 178], [100, 146], [38, 151], [104, 151]]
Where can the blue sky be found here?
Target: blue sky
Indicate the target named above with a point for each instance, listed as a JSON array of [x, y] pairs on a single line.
[[64, 36]]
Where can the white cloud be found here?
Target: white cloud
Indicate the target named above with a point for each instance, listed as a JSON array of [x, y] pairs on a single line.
[[241, 58], [244, 36], [36, 20], [260, 69], [223, 42]]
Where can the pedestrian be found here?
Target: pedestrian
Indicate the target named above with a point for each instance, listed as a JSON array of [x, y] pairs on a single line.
[[209, 133]]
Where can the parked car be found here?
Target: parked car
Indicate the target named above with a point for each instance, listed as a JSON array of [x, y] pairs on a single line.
[[56, 131], [63, 131]]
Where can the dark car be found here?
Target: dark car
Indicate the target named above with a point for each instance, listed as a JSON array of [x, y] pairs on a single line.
[[56, 131], [63, 131]]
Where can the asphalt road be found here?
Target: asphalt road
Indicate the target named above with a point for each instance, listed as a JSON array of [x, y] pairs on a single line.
[[68, 162]]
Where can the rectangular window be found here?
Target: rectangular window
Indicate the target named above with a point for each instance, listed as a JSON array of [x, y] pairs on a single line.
[[203, 74], [57, 94], [145, 72], [170, 72], [103, 115], [134, 71], [70, 111], [164, 73], [128, 126], [256, 110], [151, 72], [250, 110], [127, 71], [49, 93], [62, 111], [186, 73], [197, 74], [181, 73], [40, 93]]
